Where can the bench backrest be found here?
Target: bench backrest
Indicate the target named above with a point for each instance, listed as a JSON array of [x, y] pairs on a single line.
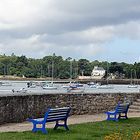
[[122, 108], [56, 114]]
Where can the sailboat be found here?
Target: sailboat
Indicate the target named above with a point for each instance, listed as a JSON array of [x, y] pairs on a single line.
[[106, 86], [5, 84], [50, 86], [73, 86], [67, 86], [132, 83]]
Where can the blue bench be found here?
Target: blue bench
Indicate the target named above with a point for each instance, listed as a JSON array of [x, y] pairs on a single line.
[[120, 112], [52, 115]]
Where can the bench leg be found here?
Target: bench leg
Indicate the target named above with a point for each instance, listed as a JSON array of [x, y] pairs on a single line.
[[64, 125], [125, 116], [34, 127], [112, 117], [115, 117], [44, 129], [108, 117], [56, 125]]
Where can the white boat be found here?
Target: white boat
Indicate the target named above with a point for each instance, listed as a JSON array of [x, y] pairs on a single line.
[[132, 83], [49, 87], [70, 84], [93, 86], [5, 84], [105, 87], [132, 86]]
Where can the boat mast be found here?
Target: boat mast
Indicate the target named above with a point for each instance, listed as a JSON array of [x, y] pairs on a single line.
[[136, 77], [52, 68], [107, 73], [70, 70], [131, 83]]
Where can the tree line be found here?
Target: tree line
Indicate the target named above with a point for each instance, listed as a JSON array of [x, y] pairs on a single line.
[[58, 67]]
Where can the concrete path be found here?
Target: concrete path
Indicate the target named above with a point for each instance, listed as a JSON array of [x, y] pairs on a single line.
[[27, 126]]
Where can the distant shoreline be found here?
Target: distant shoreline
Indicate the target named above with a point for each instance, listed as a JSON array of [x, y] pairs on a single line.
[[102, 81], [24, 79]]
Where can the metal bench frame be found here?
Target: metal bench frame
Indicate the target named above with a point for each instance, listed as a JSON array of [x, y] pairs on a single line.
[[52, 115], [120, 112]]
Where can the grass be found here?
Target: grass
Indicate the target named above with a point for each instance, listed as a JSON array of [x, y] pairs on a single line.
[[86, 131]]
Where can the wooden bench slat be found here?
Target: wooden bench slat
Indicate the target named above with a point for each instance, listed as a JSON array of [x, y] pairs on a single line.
[[55, 111], [56, 119], [60, 109], [54, 116], [58, 112]]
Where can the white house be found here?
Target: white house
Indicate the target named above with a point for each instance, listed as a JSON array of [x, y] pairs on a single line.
[[97, 73]]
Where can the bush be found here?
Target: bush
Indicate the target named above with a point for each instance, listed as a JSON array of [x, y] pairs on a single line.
[[136, 135], [115, 136]]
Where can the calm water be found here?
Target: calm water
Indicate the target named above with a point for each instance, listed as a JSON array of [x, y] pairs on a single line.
[[17, 85]]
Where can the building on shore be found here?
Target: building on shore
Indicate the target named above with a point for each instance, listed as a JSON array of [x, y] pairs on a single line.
[[97, 73]]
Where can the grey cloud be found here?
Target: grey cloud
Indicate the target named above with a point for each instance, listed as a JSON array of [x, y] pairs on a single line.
[[71, 15], [80, 15], [69, 26]]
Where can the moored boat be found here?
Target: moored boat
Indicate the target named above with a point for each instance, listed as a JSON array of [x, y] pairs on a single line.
[[5, 84], [49, 86], [22, 90], [132, 86], [105, 87]]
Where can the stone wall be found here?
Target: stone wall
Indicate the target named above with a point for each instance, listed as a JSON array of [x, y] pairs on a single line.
[[18, 108]]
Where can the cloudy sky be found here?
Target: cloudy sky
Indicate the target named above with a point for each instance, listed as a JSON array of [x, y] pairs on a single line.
[[91, 29]]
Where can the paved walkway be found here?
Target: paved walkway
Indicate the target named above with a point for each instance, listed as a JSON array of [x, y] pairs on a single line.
[[27, 126]]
